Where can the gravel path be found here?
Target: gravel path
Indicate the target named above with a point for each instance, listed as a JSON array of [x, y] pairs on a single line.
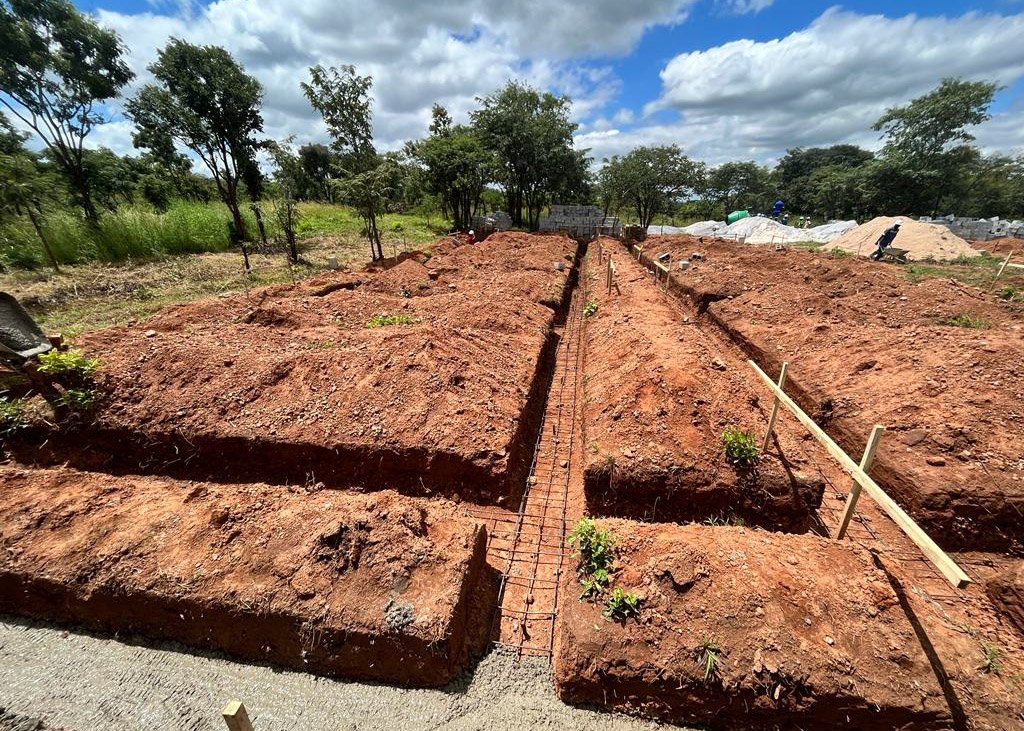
[[80, 681]]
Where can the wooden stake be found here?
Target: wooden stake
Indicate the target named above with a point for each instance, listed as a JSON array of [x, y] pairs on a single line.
[[865, 464], [235, 717], [953, 573], [775, 408], [608, 276], [1002, 267]]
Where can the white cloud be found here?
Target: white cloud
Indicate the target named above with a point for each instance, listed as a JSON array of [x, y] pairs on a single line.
[[826, 83], [742, 7]]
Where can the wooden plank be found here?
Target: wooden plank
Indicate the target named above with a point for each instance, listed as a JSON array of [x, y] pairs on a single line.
[[851, 500], [1001, 269], [775, 408], [235, 717], [953, 573]]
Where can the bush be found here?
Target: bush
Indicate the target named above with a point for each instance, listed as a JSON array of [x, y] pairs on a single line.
[[590, 308], [12, 415], [740, 447], [964, 320], [622, 605], [70, 365], [594, 548], [385, 320]]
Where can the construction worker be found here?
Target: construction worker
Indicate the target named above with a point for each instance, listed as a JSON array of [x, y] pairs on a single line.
[[471, 239], [777, 209], [886, 239]]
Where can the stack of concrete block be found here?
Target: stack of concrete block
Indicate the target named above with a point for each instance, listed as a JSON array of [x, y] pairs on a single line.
[[979, 229], [493, 221], [580, 221]]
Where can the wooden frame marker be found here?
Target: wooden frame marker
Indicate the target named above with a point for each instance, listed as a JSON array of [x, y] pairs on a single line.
[[865, 464], [235, 717], [775, 408], [1002, 268], [946, 566]]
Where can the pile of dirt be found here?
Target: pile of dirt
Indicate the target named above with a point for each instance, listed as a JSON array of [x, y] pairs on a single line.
[[1006, 590], [376, 587], [659, 395], [935, 362], [920, 240], [802, 632], [349, 386]]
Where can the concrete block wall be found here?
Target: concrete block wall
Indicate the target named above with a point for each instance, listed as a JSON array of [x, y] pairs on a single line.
[[979, 229], [580, 221]]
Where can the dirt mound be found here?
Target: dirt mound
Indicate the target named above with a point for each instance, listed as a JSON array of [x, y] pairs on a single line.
[[805, 633], [1006, 590], [866, 346], [405, 280], [347, 386], [377, 587], [921, 240], [659, 395]]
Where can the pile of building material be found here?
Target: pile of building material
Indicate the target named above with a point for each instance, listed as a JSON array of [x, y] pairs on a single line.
[[920, 240], [761, 230], [979, 229], [493, 221], [581, 221]]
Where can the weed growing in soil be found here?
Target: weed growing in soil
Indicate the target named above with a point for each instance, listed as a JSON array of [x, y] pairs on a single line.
[[993, 665], [594, 548], [725, 520], [12, 415], [595, 584], [590, 308], [71, 366], [708, 655], [965, 321], [740, 447], [78, 400], [385, 320], [622, 604], [1009, 292]]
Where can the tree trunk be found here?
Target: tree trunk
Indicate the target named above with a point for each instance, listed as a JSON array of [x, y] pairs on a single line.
[[259, 222], [231, 200], [46, 244]]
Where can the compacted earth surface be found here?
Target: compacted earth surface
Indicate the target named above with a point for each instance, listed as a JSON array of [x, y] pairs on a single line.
[[938, 363], [660, 392], [323, 477], [427, 377]]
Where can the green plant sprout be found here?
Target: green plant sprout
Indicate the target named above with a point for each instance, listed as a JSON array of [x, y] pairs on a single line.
[[385, 320], [622, 604], [740, 447]]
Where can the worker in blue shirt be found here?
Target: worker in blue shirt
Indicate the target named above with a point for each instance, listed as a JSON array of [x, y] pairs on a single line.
[[777, 208], [886, 239]]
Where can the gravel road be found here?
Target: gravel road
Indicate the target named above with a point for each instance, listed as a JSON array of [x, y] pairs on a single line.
[[80, 681]]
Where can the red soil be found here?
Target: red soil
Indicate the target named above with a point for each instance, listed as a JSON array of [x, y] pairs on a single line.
[[659, 394], [1006, 590], [810, 634], [378, 587], [289, 384], [866, 346]]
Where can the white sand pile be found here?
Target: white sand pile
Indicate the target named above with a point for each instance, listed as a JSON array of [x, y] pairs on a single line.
[[760, 230], [921, 240]]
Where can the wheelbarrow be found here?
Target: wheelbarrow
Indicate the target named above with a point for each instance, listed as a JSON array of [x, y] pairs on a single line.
[[20, 337], [892, 254]]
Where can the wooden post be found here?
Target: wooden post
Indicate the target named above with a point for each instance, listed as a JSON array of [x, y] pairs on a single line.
[[946, 566], [775, 408], [235, 717], [1002, 267], [608, 275], [865, 464]]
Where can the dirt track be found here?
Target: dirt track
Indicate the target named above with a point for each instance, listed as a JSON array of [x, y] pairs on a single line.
[[97, 684]]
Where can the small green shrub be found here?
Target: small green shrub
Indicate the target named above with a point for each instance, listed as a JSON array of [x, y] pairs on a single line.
[[590, 308], [69, 365], [740, 447], [78, 400], [12, 416], [964, 320], [993, 664], [622, 604], [594, 548], [595, 584], [1009, 292], [386, 320], [723, 519], [708, 655]]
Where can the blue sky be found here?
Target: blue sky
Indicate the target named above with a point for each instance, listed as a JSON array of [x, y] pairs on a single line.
[[725, 79]]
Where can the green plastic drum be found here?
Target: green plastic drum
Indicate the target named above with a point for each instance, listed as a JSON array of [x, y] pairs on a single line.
[[736, 216]]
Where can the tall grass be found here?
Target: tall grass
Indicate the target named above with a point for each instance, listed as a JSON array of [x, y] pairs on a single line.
[[129, 233]]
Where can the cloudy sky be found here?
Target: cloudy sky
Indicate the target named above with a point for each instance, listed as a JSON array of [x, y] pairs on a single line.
[[725, 79]]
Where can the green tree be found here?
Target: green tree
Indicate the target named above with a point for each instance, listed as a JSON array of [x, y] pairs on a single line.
[[531, 134], [57, 67], [23, 186], [366, 181], [652, 179], [206, 102], [317, 165], [458, 166], [793, 175], [740, 184], [930, 137]]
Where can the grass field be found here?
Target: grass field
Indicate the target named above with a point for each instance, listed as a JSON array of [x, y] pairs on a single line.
[[93, 293]]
